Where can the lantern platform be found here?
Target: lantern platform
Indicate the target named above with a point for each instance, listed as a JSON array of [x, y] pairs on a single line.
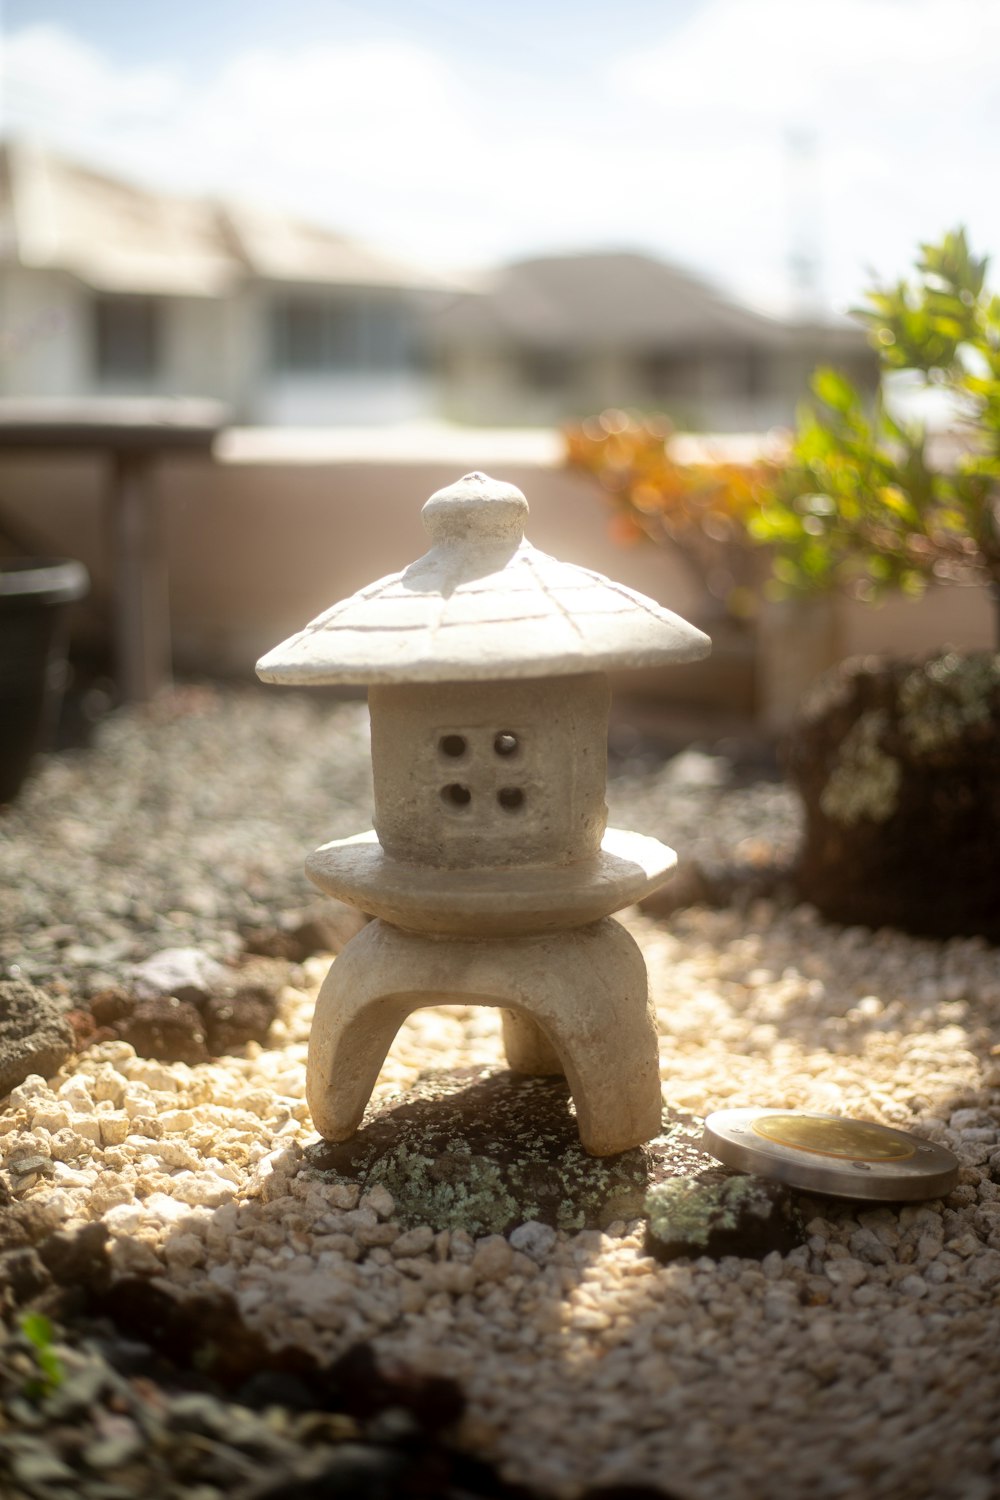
[[492, 902]]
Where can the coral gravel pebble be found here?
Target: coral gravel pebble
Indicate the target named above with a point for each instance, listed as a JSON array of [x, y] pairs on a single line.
[[864, 1362]]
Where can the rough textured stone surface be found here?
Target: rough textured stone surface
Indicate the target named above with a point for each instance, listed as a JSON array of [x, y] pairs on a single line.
[[78, 1258], [897, 766], [167, 1028], [489, 1152], [717, 1215], [323, 927], [233, 1020], [185, 973], [34, 1035], [201, 1008]]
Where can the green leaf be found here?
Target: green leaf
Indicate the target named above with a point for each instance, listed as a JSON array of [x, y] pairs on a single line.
[[834, 389], [38, 1331]]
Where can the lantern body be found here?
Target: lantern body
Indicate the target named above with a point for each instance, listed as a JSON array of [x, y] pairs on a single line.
[[476, 775]]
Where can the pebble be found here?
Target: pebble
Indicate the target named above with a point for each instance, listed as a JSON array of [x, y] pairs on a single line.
[[533, 1239]]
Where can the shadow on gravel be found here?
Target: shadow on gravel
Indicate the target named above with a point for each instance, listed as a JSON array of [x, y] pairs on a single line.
[[484, 1151], [161, 1390]]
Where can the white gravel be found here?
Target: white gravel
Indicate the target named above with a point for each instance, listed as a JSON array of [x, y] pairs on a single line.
[[864, 1364]]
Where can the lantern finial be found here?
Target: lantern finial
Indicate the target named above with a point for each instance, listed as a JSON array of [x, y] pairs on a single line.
[[476, 510]]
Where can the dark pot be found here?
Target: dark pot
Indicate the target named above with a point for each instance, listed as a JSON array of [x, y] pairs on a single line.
[[35, 595]]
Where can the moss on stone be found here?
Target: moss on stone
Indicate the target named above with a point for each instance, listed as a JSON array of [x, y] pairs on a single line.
[[865, 781], [451, 1192], [692, 1211], [945, 697], [716, 1215], [485, 1152]]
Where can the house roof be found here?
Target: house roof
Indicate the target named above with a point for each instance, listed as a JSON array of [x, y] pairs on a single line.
[[279, 248], [483, 604], [614, 299], [55, 213]]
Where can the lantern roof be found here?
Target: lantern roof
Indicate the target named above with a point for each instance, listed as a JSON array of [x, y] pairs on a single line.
[[482, 604]]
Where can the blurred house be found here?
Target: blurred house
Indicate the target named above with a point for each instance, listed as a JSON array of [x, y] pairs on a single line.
[[563, 336], [109, 289]]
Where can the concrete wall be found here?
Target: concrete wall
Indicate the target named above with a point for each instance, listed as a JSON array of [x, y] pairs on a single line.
[[279, 526], [45, 347]]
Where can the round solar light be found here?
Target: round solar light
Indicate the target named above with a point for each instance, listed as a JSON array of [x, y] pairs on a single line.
[[831, 1154]]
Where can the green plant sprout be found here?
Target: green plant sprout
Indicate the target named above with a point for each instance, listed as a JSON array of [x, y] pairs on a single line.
[[38, 1331]]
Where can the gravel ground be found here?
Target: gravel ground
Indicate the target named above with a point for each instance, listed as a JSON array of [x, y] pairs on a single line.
[[864, 1363]]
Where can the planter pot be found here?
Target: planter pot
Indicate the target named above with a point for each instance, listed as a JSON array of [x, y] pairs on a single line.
[[35, 595]]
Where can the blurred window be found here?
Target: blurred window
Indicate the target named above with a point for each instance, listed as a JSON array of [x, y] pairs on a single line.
[[667, 372], [319, 333], [756, 372], [128, 338], [546, 369]]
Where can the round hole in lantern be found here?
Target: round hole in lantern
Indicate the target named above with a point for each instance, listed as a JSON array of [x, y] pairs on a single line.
[[452, 745], [456, 795], [505, 743], [510, 798]]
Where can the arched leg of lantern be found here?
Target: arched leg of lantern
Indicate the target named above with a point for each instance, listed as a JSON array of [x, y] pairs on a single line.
[[526, 1046], [578, 1001], [589, 994]]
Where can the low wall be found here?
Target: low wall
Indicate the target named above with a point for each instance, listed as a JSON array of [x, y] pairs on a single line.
[[280, 524]]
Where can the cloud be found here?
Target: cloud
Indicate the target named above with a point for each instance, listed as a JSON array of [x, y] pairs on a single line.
[[829, 62], [51, 76], [680, 147], [895, 100]]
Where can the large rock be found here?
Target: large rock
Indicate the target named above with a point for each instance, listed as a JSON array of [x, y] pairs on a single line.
[[898, 764], [35, 1037], [485, 1152], [720, 1213], [187, 974], [186, 1007]]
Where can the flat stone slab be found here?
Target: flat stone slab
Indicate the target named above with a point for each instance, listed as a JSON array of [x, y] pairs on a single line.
[[487, 1151]]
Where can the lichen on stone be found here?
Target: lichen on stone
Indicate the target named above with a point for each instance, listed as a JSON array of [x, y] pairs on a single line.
[[721, 1215], [865, 781], [688, 1210], [448, 1192], [484, 1152], [943, 698]]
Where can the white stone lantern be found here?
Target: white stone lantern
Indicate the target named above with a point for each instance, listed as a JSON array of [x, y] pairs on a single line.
[[491, 871]]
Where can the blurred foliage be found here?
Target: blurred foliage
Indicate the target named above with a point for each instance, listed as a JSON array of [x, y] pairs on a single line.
[[705, 507], [863, 499], [868, 503]]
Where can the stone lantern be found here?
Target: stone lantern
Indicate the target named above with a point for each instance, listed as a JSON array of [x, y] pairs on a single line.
[[491, 871]]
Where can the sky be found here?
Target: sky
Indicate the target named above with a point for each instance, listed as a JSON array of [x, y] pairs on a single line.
[[785, 149]]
